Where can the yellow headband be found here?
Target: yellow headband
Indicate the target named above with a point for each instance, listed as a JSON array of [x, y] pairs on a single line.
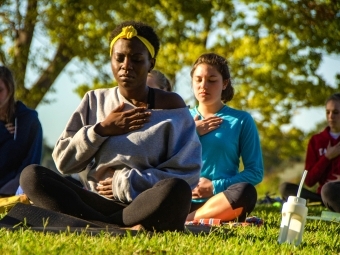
[[129, 32]]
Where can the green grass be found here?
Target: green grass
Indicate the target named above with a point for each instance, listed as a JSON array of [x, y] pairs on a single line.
[[320, 237]]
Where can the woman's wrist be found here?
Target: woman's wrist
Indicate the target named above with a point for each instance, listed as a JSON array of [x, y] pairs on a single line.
[[329, 157], [99, 129]]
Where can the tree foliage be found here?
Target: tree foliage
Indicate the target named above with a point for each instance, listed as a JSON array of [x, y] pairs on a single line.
[[286, 43], [274, 48]]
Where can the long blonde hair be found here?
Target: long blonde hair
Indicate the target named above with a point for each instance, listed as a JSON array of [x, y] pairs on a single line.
[[7, 77]]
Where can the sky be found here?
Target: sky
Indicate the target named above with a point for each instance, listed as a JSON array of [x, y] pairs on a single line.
[[54, 116]]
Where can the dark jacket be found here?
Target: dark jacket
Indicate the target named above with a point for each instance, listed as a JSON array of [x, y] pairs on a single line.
[[25, 149]]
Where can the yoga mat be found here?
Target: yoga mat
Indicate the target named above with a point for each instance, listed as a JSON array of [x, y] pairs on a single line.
[[326, 216], [43, 220], [23, 216]]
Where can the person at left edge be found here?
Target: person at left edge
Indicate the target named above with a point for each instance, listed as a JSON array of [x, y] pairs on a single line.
[[20, 136]]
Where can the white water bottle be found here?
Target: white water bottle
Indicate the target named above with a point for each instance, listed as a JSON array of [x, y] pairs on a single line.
[[294, 214]]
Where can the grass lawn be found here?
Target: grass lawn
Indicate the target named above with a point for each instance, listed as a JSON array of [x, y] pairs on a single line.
[[320, 237]]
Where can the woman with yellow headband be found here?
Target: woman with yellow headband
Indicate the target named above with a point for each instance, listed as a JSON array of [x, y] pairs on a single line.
[[135, 148]]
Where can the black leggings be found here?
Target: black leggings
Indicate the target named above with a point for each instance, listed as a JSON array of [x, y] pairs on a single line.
[[290, 189], [163, 207], [241, 194], [329, 196]]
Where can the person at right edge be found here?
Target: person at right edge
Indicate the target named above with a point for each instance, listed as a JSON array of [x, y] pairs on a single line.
[[224, 191], [322, 162]]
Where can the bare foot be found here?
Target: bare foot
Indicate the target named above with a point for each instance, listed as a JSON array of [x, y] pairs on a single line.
[[136, 227]]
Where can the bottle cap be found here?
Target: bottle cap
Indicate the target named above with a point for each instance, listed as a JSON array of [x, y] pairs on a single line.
[[297, 200]]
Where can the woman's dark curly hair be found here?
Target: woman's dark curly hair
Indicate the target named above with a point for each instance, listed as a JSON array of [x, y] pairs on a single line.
[[143, 30], [221, 65]]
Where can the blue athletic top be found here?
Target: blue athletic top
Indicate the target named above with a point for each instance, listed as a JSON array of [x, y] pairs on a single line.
[[237, 137]]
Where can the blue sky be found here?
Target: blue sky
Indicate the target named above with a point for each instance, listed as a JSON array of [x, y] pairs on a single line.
[[54, 116]]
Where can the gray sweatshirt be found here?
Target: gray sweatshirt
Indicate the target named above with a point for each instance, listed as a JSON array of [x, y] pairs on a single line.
[[165, 147]]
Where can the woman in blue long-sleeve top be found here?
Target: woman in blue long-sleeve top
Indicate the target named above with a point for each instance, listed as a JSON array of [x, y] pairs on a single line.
[[226, 135]]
